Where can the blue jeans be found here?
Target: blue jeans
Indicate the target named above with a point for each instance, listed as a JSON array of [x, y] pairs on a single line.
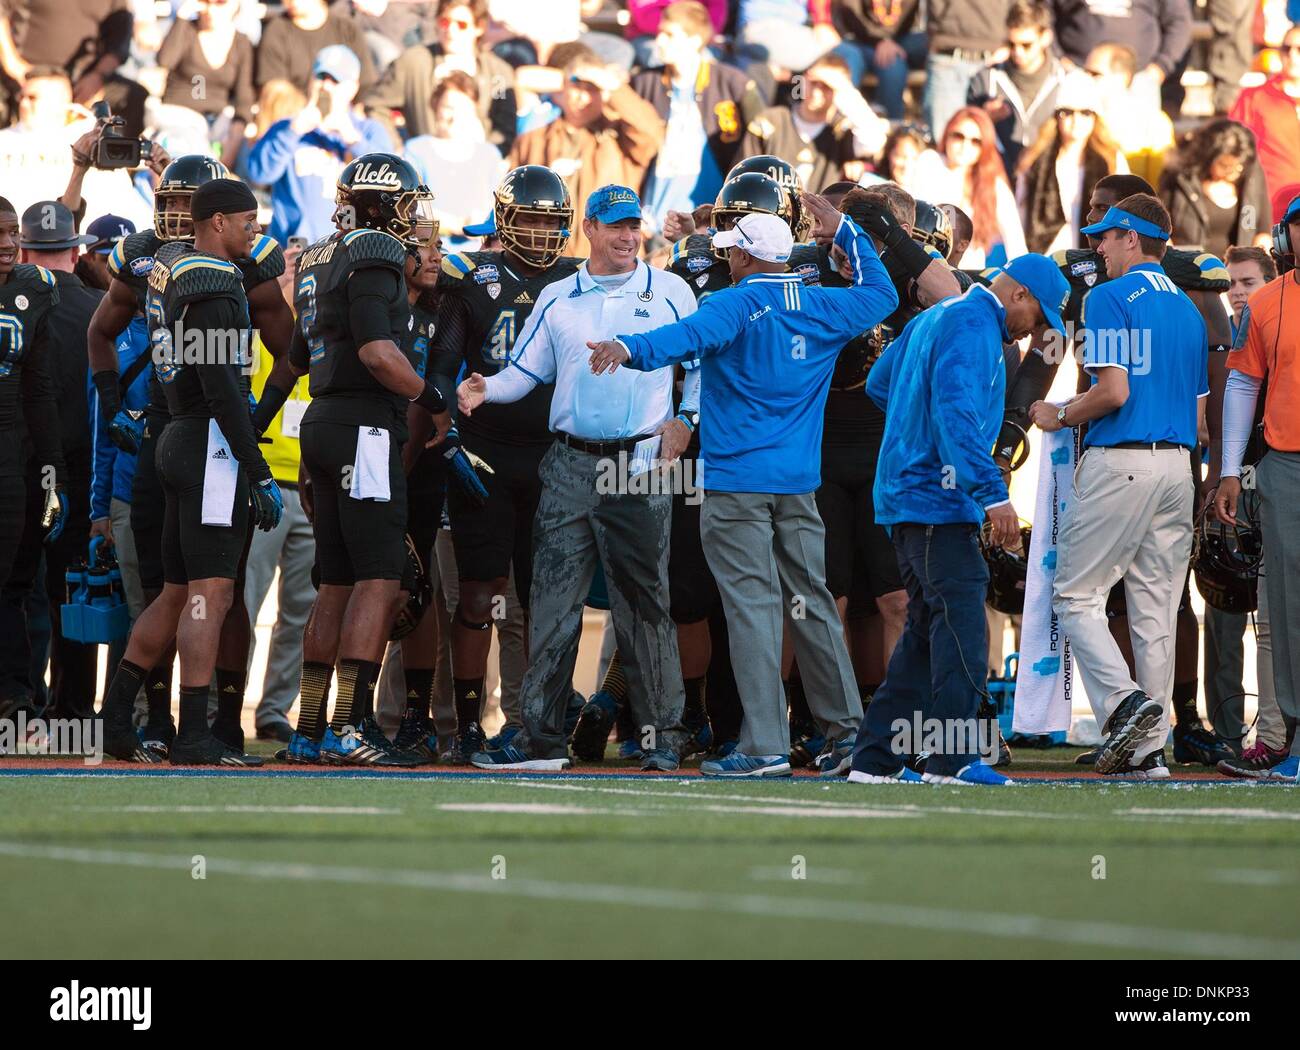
[[891, 79], [938, 668], [947, 82]]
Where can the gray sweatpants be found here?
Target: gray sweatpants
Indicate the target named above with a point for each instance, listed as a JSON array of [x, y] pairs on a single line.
[[1279, 506], [1225, 658], [575, 525], [768, 554]]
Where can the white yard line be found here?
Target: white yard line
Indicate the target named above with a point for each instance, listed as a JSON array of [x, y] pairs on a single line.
[[1215, 813], [332, 811], [557, 809], [1095, 934]]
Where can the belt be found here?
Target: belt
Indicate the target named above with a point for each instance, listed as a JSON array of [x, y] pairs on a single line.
[[1150, 445], [599, 448]]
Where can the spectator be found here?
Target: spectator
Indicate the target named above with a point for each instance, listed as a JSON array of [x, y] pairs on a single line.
[[607, 134], [787, 35], [210, 70], [301, 158], [1130, 109], [92, 267], [88, 40], [1215, 191], [1270, 111], [1230, 52], [902, 153], [1058, 172], [291, 41], [389, 27], [964, 38], [884, 39], [962, 232], [457, 162], [971, 176], [825, 127], [1020, 94], [706, 107], [409, 82], [1158, 32], [645, 17]]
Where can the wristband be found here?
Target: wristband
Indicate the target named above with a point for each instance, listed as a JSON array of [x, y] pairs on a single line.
[[431, 400], [273, 399], [690, 419]]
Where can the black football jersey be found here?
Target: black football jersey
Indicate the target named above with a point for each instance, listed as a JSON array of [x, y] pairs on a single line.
[[343, 390], [131, 261], [424, 326], [26, 386], [693, 261], [486, 303]]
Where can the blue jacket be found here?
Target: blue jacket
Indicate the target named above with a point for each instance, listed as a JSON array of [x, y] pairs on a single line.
[[302, 172], [767, 348], [941, 385], [112, 470]]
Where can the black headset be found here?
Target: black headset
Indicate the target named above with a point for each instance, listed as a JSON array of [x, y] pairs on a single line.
[[1283, 250]]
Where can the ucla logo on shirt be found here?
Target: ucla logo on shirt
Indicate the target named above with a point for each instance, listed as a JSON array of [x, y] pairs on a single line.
[[638, 312]]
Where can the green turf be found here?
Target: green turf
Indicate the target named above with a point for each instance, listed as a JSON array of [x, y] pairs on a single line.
[[646, 868]]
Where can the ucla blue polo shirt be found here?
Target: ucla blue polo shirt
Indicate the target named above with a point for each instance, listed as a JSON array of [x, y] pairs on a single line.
[[1146, 325]]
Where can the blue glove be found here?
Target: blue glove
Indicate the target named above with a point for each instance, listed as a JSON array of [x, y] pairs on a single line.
[[268, 504], [126, 430], [464, 467], [56, 513]]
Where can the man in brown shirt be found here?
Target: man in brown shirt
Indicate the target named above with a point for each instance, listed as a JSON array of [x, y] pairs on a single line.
[[606, 135]]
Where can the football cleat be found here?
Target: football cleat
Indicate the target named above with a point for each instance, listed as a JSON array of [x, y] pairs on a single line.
[[301, 750], [230, 735], [594, 723], [804, 749], [208, 751], [1196, 745], [353, 748], [416, 737], [698, 741], [465, 745], [123, 743], [158, 737]]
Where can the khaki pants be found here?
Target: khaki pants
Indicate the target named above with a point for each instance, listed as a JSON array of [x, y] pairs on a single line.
[[1132, 520]]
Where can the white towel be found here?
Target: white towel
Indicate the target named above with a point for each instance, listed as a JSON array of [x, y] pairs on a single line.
[[1045, 681], [370, 471], [220, 476]]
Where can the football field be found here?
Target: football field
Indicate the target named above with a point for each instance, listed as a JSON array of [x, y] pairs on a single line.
[[291, 863]]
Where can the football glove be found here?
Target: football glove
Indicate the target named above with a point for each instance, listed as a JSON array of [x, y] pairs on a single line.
[[267, 504], [126, 430], [56, 513], [464, 467]]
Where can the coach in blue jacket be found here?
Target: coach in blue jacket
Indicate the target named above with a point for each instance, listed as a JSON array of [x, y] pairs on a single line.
[[767, 348], [941, 384]]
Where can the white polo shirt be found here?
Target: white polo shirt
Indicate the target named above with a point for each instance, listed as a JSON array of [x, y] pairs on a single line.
[[552, 348]]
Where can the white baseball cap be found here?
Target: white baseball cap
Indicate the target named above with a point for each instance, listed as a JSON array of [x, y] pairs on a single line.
[[762, 235]]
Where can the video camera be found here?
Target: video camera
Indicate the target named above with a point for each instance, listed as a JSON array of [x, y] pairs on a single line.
[[114, 149]]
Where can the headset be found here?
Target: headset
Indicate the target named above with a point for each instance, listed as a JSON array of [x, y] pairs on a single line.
[[1283, 250]]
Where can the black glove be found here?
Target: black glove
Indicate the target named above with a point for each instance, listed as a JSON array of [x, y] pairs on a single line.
[[902, 256]]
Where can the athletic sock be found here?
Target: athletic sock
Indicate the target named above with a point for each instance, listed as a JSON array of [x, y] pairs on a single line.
[[158, 694], [615, 681], [194, 714], [1185, 704], [419, 692], [119, 702], [230, 697], [469, 699], [693, 711], [314, 689], [356, 688]]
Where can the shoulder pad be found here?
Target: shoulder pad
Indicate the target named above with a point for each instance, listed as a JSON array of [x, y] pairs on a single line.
[[374, 248], [934, 253], [265, 262], [457, 265], [134, 248], [691, 256], [199, 276], [805, 261], [1196, 271], [36, 280]]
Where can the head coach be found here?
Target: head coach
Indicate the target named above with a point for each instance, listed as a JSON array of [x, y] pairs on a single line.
[[1146, 348], [579, 521], [767, 348], [941, 385]]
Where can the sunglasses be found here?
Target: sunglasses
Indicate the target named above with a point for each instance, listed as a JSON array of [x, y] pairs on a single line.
[[974, 140], [463, 24]]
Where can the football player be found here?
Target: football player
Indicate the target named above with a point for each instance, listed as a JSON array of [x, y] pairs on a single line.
[[130, 265], [488, 296], [208, 463]]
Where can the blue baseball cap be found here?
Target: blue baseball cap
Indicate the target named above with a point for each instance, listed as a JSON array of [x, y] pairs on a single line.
[[1119, 219], [611, 204], [1292, 211], [107, 231], [1045, 282], [486, 228], [337, 61]]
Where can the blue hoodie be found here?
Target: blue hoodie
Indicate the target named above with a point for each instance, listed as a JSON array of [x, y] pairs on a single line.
[[112, 470], [942, 385]]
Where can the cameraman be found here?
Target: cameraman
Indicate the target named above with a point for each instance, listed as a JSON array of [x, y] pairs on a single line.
[[120, 191]]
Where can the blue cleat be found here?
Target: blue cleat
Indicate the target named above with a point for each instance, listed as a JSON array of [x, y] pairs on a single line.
[[737, 765], [302, 750], [512, 758], [905, 775], [353, 748], [976, 773]]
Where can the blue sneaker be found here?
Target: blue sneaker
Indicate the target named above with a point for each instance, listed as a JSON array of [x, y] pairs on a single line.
[[511, 757], [507, 734], [1285, 772], [352, 748], [727, 747], [905, 775], [660, 760], [302, 750], [975, 773], [753, 766], [835, 761], [631, 751]]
